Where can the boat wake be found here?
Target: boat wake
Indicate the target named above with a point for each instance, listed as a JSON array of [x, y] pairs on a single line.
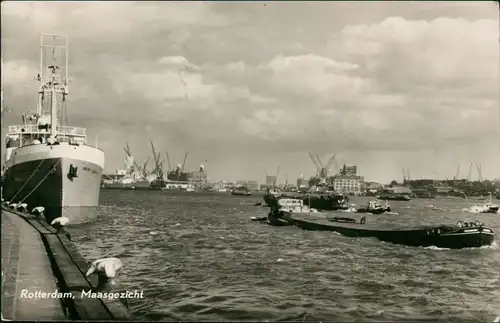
[[476, 210], [493, 246], [349, 210], [471, 210], [434, 208]]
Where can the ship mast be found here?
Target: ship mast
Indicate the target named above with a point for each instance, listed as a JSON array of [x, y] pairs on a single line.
[[50, 80]]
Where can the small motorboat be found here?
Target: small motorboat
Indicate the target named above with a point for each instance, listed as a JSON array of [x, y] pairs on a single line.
[[374, 207], [487, 207], [259, 218], [242, 191]]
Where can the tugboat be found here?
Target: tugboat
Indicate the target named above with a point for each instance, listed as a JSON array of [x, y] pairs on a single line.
[[272, 196], [485, 208], [47, 163], [374, 207], [328, 202], [282, 212]]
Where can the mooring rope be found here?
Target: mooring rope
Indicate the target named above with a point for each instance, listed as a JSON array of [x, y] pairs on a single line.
[[40, 183], [26, 182]]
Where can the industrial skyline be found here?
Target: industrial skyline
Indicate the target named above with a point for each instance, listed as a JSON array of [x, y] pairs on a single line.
[[256, 85]]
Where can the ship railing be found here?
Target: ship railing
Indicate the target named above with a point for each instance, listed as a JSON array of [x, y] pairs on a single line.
[[64, 131]]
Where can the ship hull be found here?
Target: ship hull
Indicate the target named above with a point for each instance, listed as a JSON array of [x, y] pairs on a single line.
[[40, 175]]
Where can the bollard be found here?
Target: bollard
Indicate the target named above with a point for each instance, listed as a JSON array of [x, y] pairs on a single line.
[[107, 270], [59, 224], [38, 211], [23, 207]]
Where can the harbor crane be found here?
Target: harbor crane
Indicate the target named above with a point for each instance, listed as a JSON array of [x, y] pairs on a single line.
[[479, 168], [480, 171], [184, 162], [178, 171], [144, 168], [158, 170], [275, 176], [470, 171], [323, 172], [132, 166], [168, 162], [406, 175], [457, 173]]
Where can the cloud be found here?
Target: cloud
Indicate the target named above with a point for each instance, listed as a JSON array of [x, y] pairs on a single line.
[[288, 77], [15, 73]]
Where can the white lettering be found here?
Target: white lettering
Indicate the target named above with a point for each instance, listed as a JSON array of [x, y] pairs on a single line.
[[43, 295], [113, 295]]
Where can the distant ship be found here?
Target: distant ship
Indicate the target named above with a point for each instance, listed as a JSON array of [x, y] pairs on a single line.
[[393, 197], [135, 177], [126, 185], [48, 164], [177, 174], [242, 190]]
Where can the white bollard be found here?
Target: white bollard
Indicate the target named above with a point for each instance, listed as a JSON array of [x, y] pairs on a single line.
[[23, 207], [38, 211], [106, 269]]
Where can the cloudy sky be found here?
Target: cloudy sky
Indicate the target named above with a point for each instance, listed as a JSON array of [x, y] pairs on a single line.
[[252, 86]]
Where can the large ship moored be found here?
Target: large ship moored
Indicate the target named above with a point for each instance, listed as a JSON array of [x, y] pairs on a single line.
[[49, 164]]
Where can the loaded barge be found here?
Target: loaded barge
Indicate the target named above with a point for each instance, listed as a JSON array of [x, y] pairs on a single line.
[[461, 235]]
